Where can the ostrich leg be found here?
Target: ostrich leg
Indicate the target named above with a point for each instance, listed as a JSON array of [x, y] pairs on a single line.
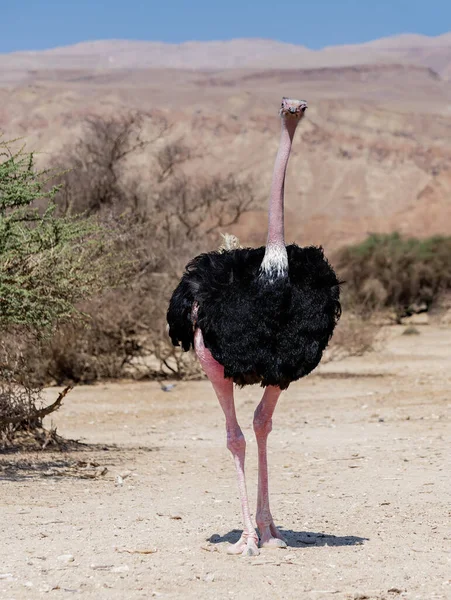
[[247, 545], [269, 534]]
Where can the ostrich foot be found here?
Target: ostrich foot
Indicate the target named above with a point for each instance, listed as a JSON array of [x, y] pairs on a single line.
[[247, 545], [270, 537]]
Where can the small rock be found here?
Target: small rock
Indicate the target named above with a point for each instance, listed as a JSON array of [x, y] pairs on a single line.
[[168, 388], [66, 558], [418, 319], [411, 330], [209, 577], [119, 481], [290, 556], [120, 569], [5, 575]]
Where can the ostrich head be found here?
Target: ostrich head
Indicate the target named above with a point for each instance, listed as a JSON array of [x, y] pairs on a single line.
[[293, 109]]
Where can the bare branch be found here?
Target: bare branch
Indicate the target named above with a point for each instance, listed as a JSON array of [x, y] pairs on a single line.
[[36, 414]]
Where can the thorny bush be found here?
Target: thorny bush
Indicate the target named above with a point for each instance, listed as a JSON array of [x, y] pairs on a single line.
[[48, 264]]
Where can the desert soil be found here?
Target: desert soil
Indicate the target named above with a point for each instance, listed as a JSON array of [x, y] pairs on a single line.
[[359, 475]]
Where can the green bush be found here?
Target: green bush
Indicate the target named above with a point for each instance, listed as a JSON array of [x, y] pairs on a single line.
[[389, 271], [47, 265]]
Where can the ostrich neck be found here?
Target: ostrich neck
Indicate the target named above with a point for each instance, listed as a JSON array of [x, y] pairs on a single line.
[[275, 261]]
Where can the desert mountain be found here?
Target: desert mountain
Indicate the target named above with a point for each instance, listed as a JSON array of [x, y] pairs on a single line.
[[433, 52], [373, 154]]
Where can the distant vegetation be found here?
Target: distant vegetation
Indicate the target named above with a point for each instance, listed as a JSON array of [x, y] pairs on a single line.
[[402, 274]]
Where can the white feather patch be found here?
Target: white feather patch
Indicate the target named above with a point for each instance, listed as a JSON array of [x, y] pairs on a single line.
[[275, 262]]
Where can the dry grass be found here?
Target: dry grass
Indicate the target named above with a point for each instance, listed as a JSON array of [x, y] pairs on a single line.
[[354, 336]]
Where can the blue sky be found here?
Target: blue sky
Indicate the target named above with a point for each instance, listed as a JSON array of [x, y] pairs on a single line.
[[39, 24]]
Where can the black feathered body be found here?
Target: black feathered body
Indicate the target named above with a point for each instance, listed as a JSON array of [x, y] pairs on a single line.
[[261, 331]]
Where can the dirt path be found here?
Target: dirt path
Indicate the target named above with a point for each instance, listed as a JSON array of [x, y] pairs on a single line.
[[360, 484]]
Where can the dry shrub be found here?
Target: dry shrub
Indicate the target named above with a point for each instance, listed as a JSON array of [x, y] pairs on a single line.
[[389, 271], [161, 221], [124, 335], [354, 336], [21, 405], [96, 164]]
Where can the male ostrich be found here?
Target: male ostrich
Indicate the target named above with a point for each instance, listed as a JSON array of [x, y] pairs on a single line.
[[258, 315]]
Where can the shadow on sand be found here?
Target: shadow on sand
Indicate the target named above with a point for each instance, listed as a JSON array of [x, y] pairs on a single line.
[[297, 539]]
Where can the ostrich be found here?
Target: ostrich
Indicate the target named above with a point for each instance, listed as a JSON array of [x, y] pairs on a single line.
[[258, 315]]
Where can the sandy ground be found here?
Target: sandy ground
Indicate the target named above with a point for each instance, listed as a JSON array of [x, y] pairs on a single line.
[[359, 478]]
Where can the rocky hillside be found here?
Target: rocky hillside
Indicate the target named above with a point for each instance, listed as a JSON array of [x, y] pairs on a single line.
[[373, 154]]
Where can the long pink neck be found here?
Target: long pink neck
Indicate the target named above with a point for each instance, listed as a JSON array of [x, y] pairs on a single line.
[[276, 221], [275, 246]]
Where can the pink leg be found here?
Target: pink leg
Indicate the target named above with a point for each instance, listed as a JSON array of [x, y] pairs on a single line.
[[247, 545], [270, 536]]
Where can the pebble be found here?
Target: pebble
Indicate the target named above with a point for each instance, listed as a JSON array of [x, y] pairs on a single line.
[[66, 558], [209, 577], [120, 569], [290, 556]]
